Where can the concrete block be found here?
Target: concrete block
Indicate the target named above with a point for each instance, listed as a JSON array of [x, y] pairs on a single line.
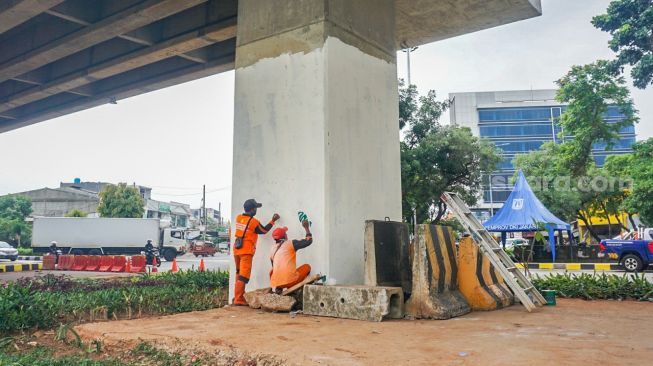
[[387, 260], [478, 281], [435, 292], [253, 298], [277, 303], [354, 302]]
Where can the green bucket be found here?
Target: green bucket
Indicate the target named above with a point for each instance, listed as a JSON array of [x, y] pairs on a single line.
[[550, 297]]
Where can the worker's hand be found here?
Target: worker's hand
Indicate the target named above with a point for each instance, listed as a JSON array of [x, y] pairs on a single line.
[[275, 217], [305, 224]]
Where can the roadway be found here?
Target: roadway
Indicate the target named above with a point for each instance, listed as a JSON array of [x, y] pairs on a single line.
[[221, 262]]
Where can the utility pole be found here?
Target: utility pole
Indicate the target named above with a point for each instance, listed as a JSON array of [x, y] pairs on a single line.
[[204, 208], [220, 212], [408, 50]]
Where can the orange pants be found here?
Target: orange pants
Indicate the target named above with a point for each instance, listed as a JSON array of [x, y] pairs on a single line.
[[243, 267], [302, 273]]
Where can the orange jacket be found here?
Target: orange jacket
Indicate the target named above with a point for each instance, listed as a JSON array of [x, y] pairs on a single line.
[[251, 236], [284, 264]]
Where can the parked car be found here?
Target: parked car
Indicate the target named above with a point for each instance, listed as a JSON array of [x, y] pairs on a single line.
[[634, 255], [7, 251], [511, 243]]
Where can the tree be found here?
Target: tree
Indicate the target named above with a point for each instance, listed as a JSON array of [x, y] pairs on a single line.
[[76, 213], [13, 228], [436, 158], [121, 201], [589, 90], [630, 23], [567, 196], [641, 170]]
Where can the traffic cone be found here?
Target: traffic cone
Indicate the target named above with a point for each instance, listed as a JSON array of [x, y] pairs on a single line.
[[154, 269], [174, 266], [202, 268], [128, 267]]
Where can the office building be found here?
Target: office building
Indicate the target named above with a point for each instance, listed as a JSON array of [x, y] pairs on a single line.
[[518, 122]]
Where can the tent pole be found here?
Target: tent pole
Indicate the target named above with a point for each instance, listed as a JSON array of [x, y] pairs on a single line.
[[552, 243]]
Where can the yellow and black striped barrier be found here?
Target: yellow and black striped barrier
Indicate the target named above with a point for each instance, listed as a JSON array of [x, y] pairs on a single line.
[[479, 282], [574, 266], [435, 293], [20, 267]]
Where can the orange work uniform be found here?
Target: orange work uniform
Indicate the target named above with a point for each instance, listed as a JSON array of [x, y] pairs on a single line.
[[283, 256], [243, 256]]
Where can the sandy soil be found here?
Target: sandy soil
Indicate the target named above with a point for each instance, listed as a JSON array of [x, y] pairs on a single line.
[[574, 332]]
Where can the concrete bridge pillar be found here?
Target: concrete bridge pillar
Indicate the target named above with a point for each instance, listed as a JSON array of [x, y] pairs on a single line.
[[316, 125]]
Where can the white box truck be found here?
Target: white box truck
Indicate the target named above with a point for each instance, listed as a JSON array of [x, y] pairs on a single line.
[[99, 236]]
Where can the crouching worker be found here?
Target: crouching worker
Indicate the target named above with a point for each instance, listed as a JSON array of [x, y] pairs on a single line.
[[284, 273]]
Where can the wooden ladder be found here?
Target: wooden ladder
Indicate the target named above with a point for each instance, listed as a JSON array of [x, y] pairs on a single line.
[[517, 281]]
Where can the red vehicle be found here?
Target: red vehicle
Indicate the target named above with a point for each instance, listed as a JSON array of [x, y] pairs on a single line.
[[203, 248]]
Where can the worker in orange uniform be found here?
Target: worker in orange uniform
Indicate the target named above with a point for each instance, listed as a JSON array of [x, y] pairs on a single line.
[[248, 229], [283, 255]]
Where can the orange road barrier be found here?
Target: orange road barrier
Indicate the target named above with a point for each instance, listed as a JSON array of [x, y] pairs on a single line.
[[49, 262], [479, 282], [106, 262], [137, 264], [79, 262], [202, 268], [435, 292], [93, 263], [174, 266], [65, 262], [119, 263]]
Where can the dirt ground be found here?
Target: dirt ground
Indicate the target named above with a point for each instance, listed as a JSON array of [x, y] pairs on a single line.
[[574, 332]]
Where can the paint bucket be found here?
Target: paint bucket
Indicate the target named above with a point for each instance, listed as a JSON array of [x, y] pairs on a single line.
[[550, 297]]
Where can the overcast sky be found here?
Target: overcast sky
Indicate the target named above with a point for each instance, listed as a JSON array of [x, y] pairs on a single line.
[[176, 139]]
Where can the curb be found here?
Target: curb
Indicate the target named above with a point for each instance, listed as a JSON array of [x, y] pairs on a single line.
[[29, 258], [574, 266], [20, 267]]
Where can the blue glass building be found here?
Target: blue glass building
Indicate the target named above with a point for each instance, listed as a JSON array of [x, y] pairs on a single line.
[[519, 122]]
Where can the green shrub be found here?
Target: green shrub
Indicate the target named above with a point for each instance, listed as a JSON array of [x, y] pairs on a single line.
[[597, 286], [25, 251], [50, 301]]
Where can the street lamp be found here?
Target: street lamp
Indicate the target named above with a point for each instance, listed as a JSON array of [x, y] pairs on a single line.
[[408, 50]]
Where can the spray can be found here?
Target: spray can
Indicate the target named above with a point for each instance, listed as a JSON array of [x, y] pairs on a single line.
[[303, 217]]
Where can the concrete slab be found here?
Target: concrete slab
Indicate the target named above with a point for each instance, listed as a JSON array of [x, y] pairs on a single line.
[[354, 302]]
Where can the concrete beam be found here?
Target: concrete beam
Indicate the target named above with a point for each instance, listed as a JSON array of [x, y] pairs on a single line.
[[173, 47], [15, 12], [425, 21], [120, 23], [144, 86]]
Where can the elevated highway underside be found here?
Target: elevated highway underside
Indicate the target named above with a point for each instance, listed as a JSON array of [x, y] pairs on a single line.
[[62, 56]]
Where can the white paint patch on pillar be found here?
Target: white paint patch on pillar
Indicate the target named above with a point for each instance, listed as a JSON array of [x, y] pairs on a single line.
[[318, 132]]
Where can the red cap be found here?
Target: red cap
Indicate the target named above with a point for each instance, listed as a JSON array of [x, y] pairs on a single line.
[[279, 233]]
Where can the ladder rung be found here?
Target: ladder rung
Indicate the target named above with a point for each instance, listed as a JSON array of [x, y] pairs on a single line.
[[511, 268], [496, 250], [530, 288]]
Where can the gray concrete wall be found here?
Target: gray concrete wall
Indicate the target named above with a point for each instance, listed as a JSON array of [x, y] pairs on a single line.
[[57, 203]]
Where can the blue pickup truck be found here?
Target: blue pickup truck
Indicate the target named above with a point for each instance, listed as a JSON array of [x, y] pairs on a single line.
[[633, 254]]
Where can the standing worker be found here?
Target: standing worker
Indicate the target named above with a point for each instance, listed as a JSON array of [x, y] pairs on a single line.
[[247, 231], [283, 255], [55, 251]]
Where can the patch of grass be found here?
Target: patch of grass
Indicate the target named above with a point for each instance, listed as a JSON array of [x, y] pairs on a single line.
[[41, 356], [597, 286], [144, 354]]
